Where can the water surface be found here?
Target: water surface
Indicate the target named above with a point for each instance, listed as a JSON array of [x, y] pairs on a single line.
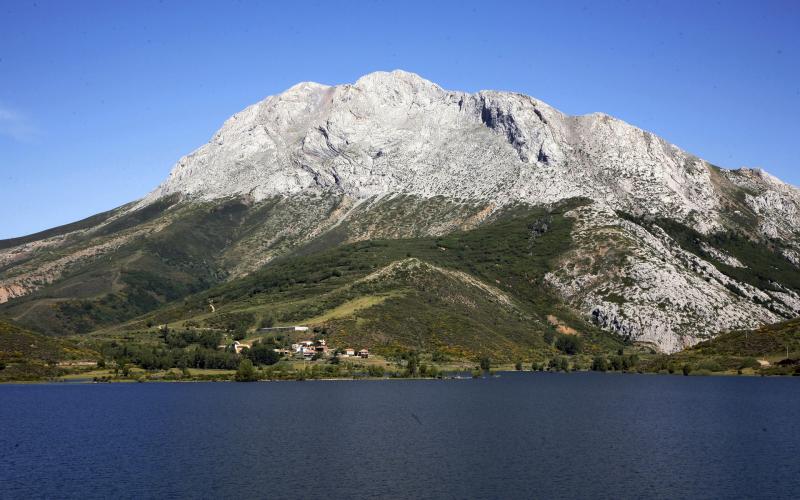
[[523, 435]]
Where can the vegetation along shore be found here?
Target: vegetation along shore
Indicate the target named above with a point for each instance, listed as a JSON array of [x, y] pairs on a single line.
[[165, 354]]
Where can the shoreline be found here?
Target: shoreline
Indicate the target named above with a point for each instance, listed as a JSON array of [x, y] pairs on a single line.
[[495, 374]]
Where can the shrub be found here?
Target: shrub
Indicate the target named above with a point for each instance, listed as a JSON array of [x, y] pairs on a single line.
[[239, 334], [263, 354], [599, 364], [548, 336], [267, 321], [246, 372], [486, 363], [709, 365], [750, 363], [569, 344], [518, 366], [559, 363], [412, 368], [439, 357], [376, 371], [686, 369]]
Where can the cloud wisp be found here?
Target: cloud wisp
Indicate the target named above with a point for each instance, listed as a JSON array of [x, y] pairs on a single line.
[[16, 126]]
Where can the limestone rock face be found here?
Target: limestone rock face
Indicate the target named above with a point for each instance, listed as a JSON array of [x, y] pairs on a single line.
[[394, 155], [399, 133]]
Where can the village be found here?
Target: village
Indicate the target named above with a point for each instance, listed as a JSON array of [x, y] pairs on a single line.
[[302, 349]]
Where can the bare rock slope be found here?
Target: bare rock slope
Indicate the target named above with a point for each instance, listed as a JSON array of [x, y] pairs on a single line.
[[350, 152], [397, 133]]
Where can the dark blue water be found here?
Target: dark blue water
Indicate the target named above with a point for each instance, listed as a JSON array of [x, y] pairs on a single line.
[[522, 435]]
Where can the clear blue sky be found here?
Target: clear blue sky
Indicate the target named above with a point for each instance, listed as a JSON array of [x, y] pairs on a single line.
[[99, 99]]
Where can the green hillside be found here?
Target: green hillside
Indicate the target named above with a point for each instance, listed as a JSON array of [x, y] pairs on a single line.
[[769, 350], [468, 294], [25, 355], [127, 263], [768, 342], [177, 251]]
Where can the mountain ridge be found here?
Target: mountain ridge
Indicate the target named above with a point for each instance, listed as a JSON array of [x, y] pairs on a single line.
[[355, 139], [666, 249]]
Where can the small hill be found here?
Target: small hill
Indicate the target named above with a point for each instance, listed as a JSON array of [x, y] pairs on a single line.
[[25, 355], [417, 305], [479, 292], [766, 342]]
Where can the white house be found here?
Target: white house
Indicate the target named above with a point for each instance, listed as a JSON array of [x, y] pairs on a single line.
[[238, 346]]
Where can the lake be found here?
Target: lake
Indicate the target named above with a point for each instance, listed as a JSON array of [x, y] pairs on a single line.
[[521, 435]]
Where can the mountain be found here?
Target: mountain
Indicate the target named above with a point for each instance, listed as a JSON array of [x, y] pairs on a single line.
[[653, 245]]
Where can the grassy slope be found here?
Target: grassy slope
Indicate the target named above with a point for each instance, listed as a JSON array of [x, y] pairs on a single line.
[[170, 250], [444, 304], [142, 275], [28, 356], [767, 342], [739, 351]]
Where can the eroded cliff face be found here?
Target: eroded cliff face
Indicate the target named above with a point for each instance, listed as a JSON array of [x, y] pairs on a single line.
[[640, 282], [398, 133], [394, 155]]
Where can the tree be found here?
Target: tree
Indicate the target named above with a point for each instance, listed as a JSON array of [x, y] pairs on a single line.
[[750, 363], [413, 364], [599, 364], [686, 370], [267, 321], [239, 333], [569, 344], [518, 366], [563, 364], [246, 372], [486, 363]]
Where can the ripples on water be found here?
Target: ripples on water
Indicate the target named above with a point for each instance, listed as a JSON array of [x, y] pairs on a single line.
[[523, 435]]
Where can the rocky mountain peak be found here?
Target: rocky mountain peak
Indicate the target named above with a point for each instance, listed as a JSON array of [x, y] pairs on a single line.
[[663, 247], [395, 132], [402, 82]]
